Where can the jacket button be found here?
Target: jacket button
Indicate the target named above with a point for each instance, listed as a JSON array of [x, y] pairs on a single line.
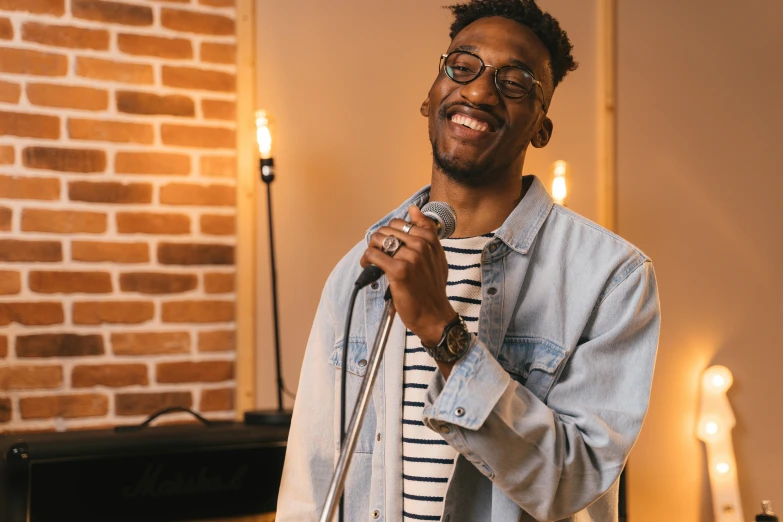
[[492, 290], [375, 285], [378, 437], [444, 428], [363, 363], [459, 412], [376, 514], [493, 247]]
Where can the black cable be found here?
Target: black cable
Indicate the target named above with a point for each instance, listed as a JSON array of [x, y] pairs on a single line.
[[343, 379]]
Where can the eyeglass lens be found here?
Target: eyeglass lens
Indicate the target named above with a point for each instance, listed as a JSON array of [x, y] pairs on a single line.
[[463, 67]]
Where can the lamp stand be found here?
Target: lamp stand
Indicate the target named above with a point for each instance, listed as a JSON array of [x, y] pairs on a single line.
[[280, 416]]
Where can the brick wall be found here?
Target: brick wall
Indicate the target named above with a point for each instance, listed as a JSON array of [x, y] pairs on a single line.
[[117, 188]]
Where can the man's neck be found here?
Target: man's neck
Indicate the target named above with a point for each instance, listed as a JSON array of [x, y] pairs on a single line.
[[479, 209]]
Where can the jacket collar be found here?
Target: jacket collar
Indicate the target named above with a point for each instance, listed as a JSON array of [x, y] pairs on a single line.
[[518, 231]]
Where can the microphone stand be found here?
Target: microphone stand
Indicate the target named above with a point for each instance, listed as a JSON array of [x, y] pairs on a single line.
[[359, 410]]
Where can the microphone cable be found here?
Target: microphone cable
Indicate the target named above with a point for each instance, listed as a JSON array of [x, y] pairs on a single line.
[[343, 379]]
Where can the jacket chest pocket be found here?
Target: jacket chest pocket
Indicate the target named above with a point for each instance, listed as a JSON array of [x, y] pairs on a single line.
[[357, 367], [533, 362]]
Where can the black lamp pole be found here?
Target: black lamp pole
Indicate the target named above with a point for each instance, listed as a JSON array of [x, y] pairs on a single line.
[[279, 416]]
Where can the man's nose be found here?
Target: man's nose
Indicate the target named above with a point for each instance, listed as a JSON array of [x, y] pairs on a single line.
[[482, 90]]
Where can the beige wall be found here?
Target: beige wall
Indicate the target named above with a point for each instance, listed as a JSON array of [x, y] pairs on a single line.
[[700, 188]]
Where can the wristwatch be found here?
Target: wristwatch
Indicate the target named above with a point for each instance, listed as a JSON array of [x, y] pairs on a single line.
[[453, 344]]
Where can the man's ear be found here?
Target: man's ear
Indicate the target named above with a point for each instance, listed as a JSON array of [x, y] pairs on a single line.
[[544, 134], [425, 107]]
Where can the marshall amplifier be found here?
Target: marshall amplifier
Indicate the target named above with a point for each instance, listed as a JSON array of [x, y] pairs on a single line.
[[159, 474]]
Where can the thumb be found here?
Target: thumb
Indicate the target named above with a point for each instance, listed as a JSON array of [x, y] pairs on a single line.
[[419, 219]]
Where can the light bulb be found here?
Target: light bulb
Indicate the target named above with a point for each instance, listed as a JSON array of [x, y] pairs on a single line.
[[560, 171], [264, 134], [711, 428], [717, 379], [722, 467]]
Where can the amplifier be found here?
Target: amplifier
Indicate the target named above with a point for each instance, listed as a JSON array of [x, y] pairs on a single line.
[[155, 474]]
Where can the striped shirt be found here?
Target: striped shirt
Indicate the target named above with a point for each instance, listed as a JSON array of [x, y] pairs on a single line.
[[427, 460]]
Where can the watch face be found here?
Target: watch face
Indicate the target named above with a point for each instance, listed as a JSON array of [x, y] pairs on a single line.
[[458, 340]]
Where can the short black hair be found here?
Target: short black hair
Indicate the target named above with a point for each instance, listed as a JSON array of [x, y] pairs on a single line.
[[527, 13]]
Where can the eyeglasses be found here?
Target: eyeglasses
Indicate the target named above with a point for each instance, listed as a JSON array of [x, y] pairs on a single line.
[[511, 81]]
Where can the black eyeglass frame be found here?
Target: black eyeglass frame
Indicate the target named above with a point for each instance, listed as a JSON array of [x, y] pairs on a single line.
[[441, 67]]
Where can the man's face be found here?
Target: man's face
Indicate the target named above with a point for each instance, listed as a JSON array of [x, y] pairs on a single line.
[[496, 145]]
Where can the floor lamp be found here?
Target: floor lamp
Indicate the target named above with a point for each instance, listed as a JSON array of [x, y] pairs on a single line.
[[280, 416]]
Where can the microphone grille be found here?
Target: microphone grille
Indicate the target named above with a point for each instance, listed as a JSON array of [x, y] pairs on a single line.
[[443, 215]]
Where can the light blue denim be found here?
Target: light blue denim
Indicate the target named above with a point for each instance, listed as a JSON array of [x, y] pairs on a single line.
[[543, 409]]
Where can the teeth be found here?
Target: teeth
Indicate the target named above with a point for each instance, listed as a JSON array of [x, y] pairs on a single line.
[[461, 119]]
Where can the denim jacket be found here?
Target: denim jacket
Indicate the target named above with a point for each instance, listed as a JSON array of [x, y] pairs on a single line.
[[543, 409]]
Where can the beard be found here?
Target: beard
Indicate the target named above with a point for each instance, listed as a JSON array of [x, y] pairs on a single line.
[[461, 171]]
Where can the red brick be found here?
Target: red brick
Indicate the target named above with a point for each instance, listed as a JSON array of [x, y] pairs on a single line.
[[19, 187], [217, 341], [65, 406], [29, 125], [67, 97], [199, 137], [221, 399], [195, 254], [142, 45], [146, 403], [117, 131], [63, 221], [186, 371], [194, 22], [118, 312], [110, 192], [50, 7], [152, 343], [66, 36], [10, 284], [152, 163], [148, 103], [218, 225], [6, 29], [218, 166], [84, 161], [58, 345], [197, 195], [198, 79], [219, 110], [21, 251], [100, 252], [23, 61], [149, 223], [109, 70], [7, 154], [30, 377], [10, 92], [3, 345], [111, 375], [157, 283], [6, 215], [218, 53], [31, 314], [218, 3], [218, 283], [198, 311], [112, 12], [51, 282], [5, 410]]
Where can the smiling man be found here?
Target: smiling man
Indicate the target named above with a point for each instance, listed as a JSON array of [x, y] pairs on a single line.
[[518, 373]]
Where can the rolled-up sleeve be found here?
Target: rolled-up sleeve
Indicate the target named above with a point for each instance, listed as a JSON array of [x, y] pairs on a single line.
[[555, 458]]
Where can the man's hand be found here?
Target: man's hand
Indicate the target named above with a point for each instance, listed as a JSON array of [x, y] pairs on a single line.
[[417, 275]]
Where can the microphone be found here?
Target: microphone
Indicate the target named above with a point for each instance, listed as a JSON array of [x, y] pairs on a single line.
[[445, 224]]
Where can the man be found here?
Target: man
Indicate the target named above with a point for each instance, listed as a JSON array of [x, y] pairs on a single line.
[[517, 374]]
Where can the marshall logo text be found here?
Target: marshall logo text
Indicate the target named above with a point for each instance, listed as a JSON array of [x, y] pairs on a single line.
[[154, 483]]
